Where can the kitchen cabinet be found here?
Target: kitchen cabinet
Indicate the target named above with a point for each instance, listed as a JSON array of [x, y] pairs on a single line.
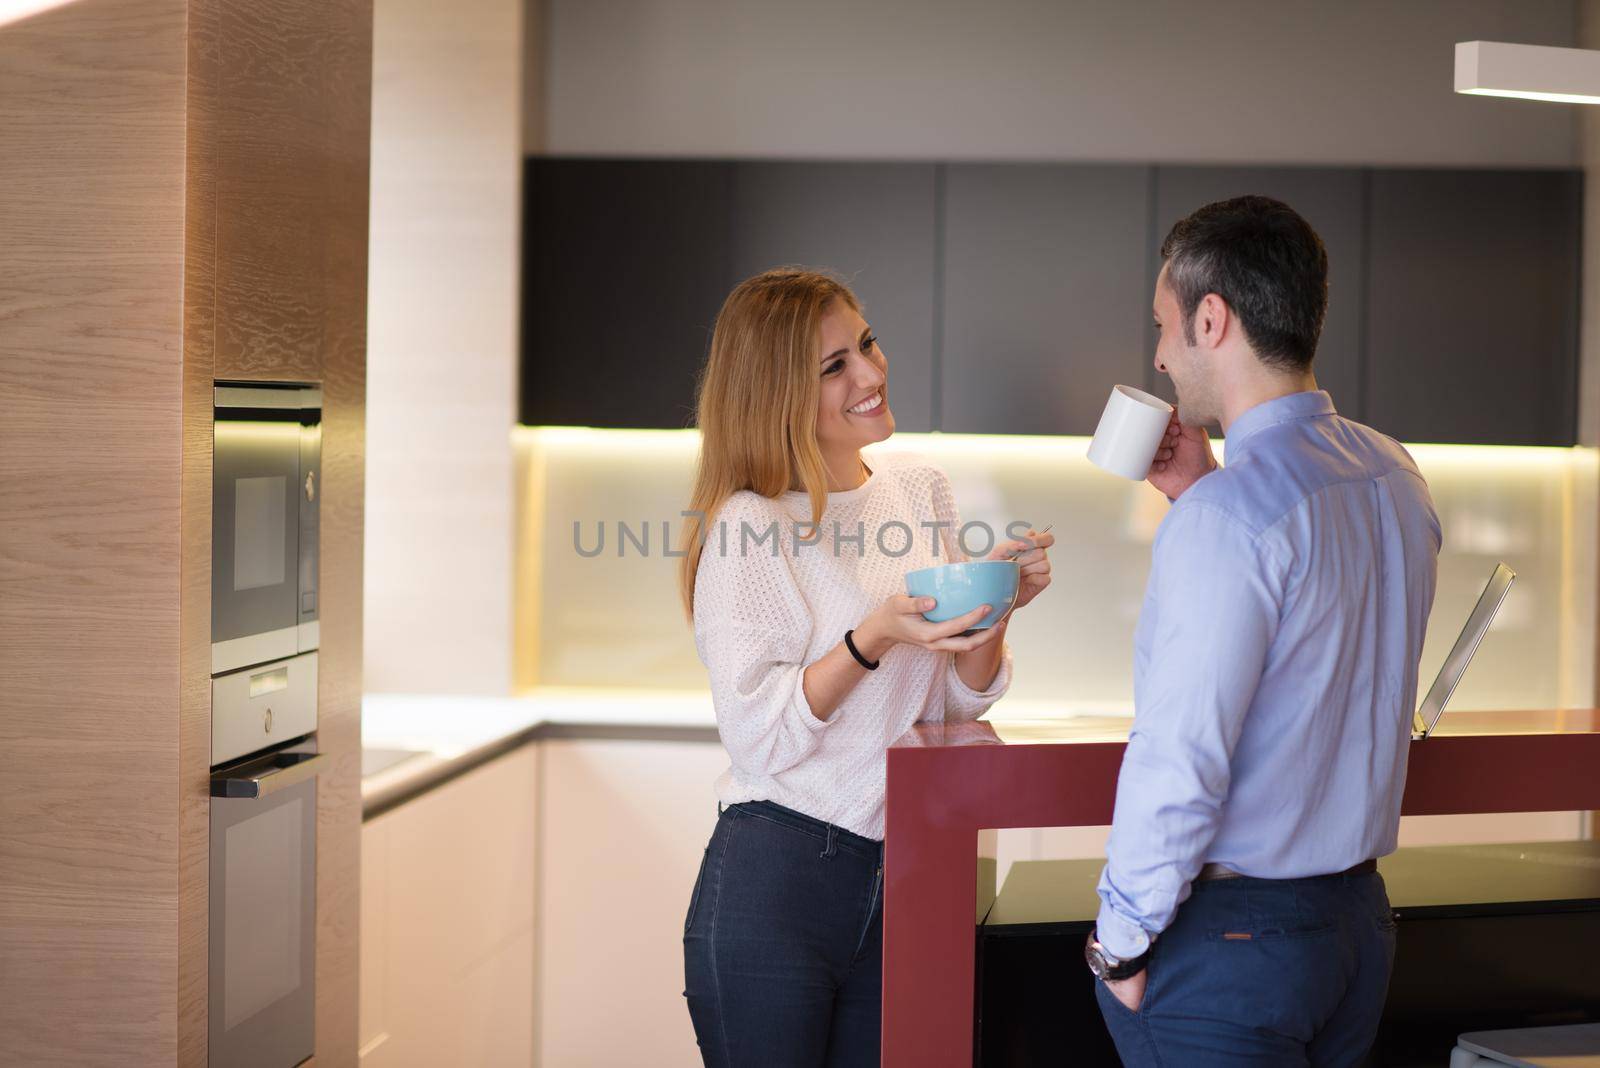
[[1044, 298], [185, 195], [874, 225], [287, 161], [1472, 296], [1331, 199], [625, 824], [447, 922], [1012, 296], [625, 263], [513, 915]]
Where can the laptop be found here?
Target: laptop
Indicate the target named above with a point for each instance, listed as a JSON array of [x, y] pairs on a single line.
[[1455, 665]]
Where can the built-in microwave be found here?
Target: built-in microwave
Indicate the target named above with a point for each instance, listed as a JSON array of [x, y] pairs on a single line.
[[266, 456], [266, 453]]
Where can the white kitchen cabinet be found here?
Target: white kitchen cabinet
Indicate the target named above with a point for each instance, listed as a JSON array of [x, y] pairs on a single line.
[[622, 830], [447, 922]]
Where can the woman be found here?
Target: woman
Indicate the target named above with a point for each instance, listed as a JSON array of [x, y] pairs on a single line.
[[818, 660]]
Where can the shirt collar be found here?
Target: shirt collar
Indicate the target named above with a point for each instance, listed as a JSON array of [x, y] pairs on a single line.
[[1292, 408]]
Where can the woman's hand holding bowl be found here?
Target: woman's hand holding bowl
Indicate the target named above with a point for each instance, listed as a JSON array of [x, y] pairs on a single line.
[[899, 621]]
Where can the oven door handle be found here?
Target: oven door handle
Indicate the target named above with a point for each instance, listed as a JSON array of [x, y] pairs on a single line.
[[260, 778]]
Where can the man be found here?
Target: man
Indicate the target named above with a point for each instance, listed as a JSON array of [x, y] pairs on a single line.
[[1242, 918]]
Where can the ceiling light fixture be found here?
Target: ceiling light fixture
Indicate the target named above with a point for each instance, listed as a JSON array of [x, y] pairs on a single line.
[[1528, 72]]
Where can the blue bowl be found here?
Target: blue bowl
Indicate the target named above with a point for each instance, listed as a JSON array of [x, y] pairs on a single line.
[[959, 588]]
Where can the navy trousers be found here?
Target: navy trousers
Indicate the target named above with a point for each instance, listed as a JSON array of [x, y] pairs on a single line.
[[1263, 972], [783, 943]]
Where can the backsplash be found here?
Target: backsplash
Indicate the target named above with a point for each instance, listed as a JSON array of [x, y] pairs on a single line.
[[604, 619]]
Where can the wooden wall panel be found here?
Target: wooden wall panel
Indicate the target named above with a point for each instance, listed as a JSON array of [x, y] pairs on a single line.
[[347, 119], [91, 209], [343, 493], [282, 85], [280, 98], [199, 365], [183, 190]]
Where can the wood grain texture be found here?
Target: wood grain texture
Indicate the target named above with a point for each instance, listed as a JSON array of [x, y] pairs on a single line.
[[287, 81], [199, 365], [347, 119], [91, 208], [280, 97], [119, 238]]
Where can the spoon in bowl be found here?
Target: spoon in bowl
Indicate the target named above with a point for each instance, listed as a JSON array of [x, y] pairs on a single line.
[[1018, 552]]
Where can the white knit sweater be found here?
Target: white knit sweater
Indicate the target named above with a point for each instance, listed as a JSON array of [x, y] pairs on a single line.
[[765, 609]]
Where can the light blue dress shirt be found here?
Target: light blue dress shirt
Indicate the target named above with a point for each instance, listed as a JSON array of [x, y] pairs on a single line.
[[1275, 665]]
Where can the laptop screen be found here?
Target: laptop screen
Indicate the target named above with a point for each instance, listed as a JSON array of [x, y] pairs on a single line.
[[1455, 664]]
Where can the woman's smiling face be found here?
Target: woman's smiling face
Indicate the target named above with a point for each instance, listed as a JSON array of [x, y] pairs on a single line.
[[854, 407]]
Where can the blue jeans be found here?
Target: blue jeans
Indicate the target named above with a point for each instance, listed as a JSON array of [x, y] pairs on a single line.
[[783, 944], [1263, 972]]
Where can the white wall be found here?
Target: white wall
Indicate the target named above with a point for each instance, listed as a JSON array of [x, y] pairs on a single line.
[[1359, 81], [441, 359]]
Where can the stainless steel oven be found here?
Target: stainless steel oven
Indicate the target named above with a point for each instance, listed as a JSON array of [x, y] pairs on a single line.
[[263, 910], [262, 707], [267, 447], [267, 454]]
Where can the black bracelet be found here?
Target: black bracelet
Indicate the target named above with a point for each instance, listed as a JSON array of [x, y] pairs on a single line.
[[870, 665]]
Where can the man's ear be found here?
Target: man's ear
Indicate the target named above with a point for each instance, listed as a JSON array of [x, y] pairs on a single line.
[[1212, 320]]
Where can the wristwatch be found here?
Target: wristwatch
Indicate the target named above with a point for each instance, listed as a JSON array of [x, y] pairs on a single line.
[[1107, 968]]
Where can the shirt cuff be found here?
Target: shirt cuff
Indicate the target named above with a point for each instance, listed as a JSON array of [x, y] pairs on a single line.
[[1122, 938], [1002, 681], [800, 707]]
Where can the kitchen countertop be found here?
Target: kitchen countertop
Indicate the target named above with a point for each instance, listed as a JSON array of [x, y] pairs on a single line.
[[1040, 728], [413, 742]]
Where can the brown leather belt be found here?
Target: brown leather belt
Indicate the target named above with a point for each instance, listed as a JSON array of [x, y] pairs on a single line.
[[1218, 871]]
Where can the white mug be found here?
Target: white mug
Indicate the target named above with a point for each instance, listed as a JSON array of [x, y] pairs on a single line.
[[1129, 433]]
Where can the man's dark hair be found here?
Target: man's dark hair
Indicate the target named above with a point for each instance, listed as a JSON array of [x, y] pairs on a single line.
[[1266, 262]]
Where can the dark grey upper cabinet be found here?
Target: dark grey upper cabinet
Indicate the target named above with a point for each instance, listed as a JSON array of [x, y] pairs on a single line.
[[1044, 296], [873, 224], [1011, 297], [1472, 306], [1331, 200], [625, 263]]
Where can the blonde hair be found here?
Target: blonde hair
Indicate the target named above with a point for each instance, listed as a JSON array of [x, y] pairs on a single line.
[[758, 396]]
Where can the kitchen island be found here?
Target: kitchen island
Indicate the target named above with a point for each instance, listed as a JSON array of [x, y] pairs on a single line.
[[946, 783]]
